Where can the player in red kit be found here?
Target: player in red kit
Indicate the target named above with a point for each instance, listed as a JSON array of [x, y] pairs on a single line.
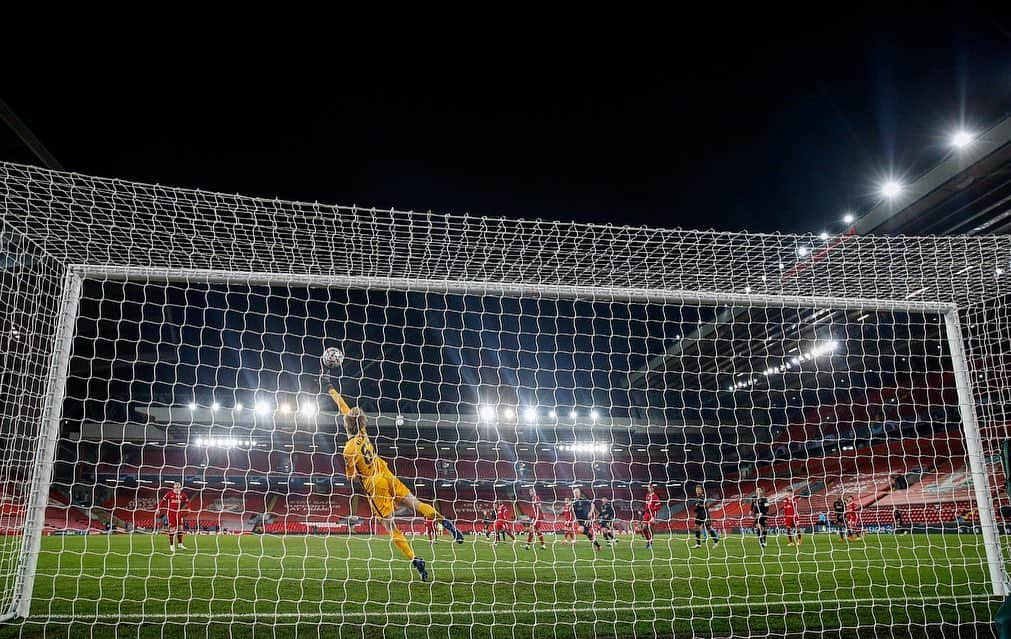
[[789, 508], [649, 513], [852, 530], [535, 522], [568, 523], [431, 531], [173, 503], [502, 523]]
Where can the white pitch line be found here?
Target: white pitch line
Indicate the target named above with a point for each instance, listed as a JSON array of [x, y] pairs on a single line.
[[876, 601], [831, 565]]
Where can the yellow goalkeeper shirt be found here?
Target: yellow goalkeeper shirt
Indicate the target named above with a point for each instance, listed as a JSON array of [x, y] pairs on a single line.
[[361, 460]]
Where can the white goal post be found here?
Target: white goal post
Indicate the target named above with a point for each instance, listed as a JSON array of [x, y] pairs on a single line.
[[62, 231]]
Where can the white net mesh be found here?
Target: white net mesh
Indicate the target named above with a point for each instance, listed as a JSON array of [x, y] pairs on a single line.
[[499, 363]]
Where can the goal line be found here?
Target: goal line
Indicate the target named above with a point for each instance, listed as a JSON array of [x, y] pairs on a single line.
[[514, 610]]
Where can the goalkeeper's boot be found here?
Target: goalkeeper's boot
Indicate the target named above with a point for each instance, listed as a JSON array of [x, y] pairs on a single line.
[[453, 530], [419, 563]]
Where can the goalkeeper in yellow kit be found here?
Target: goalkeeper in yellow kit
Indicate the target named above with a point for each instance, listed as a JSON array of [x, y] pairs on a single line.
[[384, 490]]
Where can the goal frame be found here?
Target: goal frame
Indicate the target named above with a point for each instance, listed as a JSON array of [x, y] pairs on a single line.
[[75, 276]]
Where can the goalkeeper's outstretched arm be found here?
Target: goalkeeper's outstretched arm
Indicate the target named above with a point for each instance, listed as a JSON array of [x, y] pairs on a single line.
[[335, 395]]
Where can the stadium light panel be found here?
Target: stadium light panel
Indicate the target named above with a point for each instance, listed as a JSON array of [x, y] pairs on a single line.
[[192, 405], [238, 408], [961, 139], [573, 414], [848, 218], [802, 251], [510, 413], [530, 414], [215, 406], [284, 407], [487, 413], [553, 414], [891, 189], [595, 414], [262, 408], [309, 409], [823, 235]]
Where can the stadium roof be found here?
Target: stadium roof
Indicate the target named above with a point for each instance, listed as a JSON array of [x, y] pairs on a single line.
[[968, 194]]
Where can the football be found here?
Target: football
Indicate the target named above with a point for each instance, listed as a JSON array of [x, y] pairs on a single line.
[[332, 357]]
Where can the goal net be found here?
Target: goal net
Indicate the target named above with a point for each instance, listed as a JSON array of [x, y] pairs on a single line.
[[636, 431]]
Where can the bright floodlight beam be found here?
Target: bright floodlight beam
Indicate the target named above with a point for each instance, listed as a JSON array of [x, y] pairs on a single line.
[[192, 405], [961, 139], [891, 189], [530, 414], [261, 408], [487, 413], [309, 409], [848, 218]]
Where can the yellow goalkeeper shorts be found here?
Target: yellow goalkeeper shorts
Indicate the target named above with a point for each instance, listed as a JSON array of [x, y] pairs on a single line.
[[384, 493]]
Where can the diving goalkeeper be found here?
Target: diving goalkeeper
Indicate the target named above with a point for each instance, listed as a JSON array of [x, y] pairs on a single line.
[[384, 490]]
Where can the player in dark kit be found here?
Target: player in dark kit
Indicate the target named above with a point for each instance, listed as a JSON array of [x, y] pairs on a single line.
[[585, 511], [760, 509], [702, 520], [839, 508], [488, 521], [607, 520]]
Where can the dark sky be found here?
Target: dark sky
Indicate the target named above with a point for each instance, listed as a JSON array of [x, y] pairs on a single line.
[[770, 125]]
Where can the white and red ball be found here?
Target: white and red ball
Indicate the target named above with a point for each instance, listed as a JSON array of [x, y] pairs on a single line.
[[332, 357]]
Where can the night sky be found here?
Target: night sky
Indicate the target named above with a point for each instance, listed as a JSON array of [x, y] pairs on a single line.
[[772, 125]]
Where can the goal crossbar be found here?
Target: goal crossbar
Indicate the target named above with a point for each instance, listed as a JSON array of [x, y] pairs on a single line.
[[477, 287]]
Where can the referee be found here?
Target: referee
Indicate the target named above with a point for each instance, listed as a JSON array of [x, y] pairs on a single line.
[[585, 511]]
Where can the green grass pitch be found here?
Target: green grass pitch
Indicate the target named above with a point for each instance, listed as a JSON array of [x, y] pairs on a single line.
[[272, 586]]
